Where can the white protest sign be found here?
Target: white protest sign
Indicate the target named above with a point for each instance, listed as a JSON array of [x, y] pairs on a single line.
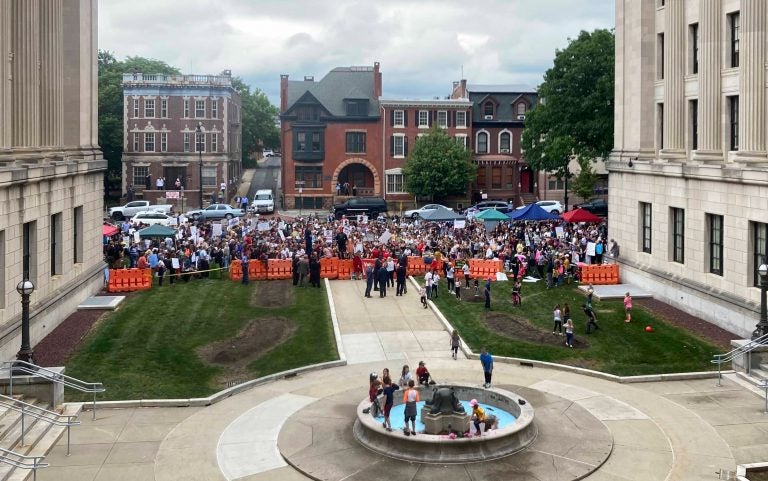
[[136, 238], [459, 224], [172, 221], [347, 230], [175, 263], [384, 238], [262, 226], [559, 231], [282, 236], [590, 248], [217, 230]]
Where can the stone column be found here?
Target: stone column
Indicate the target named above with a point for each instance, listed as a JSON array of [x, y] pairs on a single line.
[[752, 59], [25, 44], [5, 76], [710, 106], [674, 86], [51, 73]]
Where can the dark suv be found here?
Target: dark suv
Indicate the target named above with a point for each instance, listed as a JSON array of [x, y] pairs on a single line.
[[596, 206], [370, 206]]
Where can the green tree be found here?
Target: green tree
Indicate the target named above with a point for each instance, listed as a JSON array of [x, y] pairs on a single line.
[[575, 113], [438, 166], [259, 130], [584, 182]]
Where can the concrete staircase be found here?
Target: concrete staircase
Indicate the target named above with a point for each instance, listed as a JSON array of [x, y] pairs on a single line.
[[39, 436]]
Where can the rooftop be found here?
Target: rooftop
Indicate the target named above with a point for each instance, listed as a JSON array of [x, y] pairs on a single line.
[[510, 88], [222, 80]]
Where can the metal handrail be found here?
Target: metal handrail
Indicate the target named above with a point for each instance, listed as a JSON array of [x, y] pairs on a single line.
[[729, 356], [19, 463], [41, 414], [56, 377]]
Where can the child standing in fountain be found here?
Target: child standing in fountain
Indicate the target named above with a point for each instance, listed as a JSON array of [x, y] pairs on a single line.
[[389, 400], [410, 398]]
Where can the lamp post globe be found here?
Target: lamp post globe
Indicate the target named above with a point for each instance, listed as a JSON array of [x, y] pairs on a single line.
[[25, 288]]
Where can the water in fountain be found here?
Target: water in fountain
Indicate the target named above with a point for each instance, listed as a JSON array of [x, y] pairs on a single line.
[[397, 417]]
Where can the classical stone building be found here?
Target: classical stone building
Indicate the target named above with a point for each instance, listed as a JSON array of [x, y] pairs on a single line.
[[161, 139], [689, 171], [51, 168]]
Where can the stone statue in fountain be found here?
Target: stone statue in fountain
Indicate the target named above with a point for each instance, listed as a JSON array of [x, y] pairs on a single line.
[[444, 401]]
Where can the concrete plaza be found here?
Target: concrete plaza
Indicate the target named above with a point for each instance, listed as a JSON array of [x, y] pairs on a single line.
[[671, 430]]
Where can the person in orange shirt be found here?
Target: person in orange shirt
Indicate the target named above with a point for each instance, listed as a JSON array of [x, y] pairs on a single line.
[[143, 262]]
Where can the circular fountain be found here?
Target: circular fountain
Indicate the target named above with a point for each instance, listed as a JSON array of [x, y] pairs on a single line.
[[444, 421]]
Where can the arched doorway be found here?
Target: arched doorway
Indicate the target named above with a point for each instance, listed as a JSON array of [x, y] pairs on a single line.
[[359, 176]]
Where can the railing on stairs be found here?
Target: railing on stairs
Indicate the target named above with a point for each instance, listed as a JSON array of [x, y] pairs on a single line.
[[21, 461], [15, 367], [747, 349], [41, 414]]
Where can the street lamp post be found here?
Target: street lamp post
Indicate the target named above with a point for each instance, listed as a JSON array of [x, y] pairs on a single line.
[[25, 288], [762, 327], [198, 133], [565, 200]]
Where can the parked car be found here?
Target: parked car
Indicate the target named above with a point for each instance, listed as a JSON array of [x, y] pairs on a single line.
[[551, 206], [263, 201], [500, 205], [269, 153], [131, 208], [417, 213], [370, 206], [215, 211], [151, 217], [596, 206]]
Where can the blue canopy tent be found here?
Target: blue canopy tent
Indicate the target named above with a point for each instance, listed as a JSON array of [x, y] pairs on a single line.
[[532, 212]]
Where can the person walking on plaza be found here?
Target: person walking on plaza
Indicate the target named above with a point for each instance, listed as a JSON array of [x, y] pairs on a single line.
[[455, 341], [383, 278], [628, 307], [244, 264], [591, 318], [400, 273], [303, 268], [368, 279], [487, 361], [423, 296]]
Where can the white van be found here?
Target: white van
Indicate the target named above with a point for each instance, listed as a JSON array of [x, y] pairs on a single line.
[[263, 201]]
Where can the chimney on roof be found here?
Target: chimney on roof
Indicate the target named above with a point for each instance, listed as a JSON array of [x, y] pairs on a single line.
[[464, 94], [376, 80], [283, 93], [309, 78]]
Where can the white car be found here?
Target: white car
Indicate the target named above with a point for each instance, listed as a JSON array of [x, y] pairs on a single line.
[[151, 217], [551, 206], [418, 213]]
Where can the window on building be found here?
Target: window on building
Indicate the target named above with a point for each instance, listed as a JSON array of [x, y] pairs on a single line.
[[733, 122], [398, 149], [646, 226], [307, 113], [461, 119], [488, 109], [139, 174], [301, 141], [77, 235], [398, 118], [357, 108], [482, 143], [3, 271], [462, 140], [496, 177], [163, 141], [660, 126], [442, 119], [200, 142], [715, 243], [55, 238], [759, 249], [187, 141], [29, 251], [199, 109], [311, 176], [149, 108], [136, 142], [214, 109], [505, 142], [164, 108], [135, 107], [693, 38], [209, 176], [214, 142], [149, 142], [521, 107], [734, 22], [693, 112], [482, 180], [423, 118], [396, 183], [316, 142], [677, 218], [553, 183], [355, 142], [186, 108], [660, 56]]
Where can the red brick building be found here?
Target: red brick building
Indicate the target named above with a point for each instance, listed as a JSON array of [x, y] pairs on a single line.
[[161, 137]]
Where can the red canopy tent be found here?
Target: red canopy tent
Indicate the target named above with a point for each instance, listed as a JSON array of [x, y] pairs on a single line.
[[580, 215], [109, 230]]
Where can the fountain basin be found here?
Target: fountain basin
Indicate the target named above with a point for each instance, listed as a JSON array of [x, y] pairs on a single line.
[[429, 448]]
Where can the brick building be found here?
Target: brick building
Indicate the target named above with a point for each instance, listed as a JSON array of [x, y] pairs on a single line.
[[161, 138]]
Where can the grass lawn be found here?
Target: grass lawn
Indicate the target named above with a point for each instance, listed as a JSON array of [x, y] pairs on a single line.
[[148, 347], [617, 347]]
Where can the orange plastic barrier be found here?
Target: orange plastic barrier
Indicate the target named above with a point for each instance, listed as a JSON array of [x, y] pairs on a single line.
[[329, 268], [129, 280], [257, 270], [599, 274], [345, 269], [484, 268], [416, 266], [235, 271], [279, 269]]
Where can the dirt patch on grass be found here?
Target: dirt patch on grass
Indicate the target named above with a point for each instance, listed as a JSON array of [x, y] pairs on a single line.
[[253, 341], [513, 327], [273, 294]]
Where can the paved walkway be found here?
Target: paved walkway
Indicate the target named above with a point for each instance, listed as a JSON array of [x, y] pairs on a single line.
[[680, 430]]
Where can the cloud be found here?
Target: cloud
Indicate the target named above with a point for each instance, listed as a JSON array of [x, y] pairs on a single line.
[[422, 46]]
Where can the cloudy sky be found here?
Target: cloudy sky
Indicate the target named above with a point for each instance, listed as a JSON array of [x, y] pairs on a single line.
[[422, 44]]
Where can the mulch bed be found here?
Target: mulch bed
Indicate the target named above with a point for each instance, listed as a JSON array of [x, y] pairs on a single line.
[[56, 348], [274, 293], [698, 327]]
